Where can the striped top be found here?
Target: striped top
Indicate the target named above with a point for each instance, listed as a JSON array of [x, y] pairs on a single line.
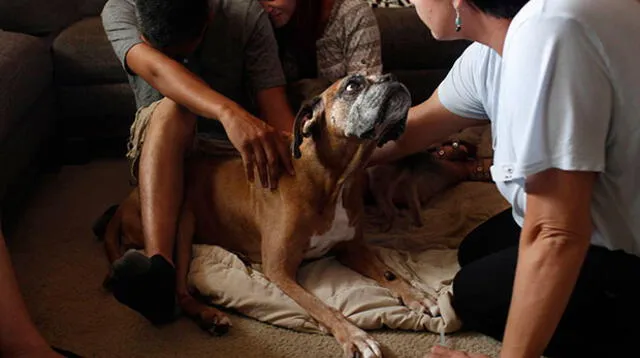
[[350, 43]]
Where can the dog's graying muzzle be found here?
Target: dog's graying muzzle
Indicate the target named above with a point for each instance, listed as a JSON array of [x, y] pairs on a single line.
[[380, 111]]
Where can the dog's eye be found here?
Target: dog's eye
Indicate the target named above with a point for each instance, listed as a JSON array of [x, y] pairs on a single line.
[[353, 86]]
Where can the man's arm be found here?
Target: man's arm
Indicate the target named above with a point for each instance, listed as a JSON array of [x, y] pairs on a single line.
[[167, 76], [428, 123], [177, 83], [554, 242]]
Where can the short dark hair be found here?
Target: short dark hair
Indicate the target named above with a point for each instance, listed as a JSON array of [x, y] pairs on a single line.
[[503, 9], [171, 22]]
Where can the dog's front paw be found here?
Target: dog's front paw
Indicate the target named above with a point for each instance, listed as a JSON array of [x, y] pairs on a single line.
[[214, 322], [356, 343], [419, 302]]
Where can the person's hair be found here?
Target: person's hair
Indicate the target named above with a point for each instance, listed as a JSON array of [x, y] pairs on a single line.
[[300, 34], [503, 9], [171, 22]]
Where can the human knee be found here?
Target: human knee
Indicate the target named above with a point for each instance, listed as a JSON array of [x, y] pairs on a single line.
[[482, 292], [173, 120], [464, 298], [469, 249]]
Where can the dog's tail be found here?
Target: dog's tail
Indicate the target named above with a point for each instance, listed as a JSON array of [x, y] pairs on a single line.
[[100, 225], [112, 234], [107, 228]]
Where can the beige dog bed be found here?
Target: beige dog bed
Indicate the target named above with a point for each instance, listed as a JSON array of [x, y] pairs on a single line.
[[425, 256]]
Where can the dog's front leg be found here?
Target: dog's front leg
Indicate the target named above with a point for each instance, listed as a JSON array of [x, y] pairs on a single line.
[[280, 264], [208, 318], [359, 257]]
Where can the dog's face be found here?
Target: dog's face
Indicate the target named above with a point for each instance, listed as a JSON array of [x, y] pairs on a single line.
[[360, 108]]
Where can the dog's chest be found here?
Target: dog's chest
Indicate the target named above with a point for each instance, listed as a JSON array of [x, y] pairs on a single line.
[[339, 231]]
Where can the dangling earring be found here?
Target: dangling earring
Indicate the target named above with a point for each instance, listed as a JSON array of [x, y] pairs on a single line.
[[458, 21]]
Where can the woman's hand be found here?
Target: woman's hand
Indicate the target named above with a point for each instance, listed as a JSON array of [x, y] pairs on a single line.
[[259, 144], [442, 352]]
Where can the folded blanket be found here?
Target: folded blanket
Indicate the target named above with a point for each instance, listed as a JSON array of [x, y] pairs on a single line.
[[425, 256]]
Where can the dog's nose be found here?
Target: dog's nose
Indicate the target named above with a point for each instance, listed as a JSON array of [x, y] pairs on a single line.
[[388, 77]]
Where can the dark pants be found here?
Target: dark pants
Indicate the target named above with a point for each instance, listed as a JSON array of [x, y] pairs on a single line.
[[603, 315]]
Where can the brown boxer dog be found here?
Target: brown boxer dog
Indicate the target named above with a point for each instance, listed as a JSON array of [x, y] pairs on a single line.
[[318, 210]]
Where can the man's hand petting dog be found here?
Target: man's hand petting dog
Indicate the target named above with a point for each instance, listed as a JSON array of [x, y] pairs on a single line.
[[260, 145]]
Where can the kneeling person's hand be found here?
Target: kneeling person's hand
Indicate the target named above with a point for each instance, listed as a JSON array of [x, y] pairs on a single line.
[[259, 144]]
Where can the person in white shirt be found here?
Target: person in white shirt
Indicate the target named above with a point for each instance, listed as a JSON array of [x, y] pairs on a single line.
[[559, 272]]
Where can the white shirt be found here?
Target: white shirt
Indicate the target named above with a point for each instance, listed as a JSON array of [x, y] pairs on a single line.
[[565, 95]]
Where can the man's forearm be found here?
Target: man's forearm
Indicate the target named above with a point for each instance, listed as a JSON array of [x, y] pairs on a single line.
[[177, 83], [547, 271]]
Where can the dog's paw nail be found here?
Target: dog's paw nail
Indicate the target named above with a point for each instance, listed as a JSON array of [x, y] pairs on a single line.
[[215, 330], [216, 326], [219, 330]]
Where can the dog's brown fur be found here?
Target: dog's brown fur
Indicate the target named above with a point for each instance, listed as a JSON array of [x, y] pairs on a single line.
[[275, 227], [410, 183]]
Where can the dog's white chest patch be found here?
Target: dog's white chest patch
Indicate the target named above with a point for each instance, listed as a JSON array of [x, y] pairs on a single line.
[[340, 230]]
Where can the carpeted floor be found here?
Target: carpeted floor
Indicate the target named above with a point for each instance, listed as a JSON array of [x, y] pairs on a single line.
[[60, 267]]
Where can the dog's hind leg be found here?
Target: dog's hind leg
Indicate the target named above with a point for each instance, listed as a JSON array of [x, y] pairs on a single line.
[[208, 318], [359, 257]]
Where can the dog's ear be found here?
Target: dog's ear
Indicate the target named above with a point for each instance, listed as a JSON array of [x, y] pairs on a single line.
[[305, 122]]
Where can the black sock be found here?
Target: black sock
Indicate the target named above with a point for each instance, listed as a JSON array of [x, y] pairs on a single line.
[[146, 285]]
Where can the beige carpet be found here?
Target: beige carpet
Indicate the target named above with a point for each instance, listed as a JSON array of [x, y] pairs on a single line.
[[60, 267]]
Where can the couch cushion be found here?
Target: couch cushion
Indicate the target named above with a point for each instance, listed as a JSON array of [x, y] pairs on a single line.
[[25, 71], [37, 17], [82, 54], [98, 111], [407, 43], [91, 7]]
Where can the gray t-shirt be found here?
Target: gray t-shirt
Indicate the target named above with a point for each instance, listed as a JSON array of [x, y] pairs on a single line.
[[237, 57]]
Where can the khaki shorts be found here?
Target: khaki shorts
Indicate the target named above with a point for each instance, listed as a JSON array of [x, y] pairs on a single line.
[[210, 138]]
